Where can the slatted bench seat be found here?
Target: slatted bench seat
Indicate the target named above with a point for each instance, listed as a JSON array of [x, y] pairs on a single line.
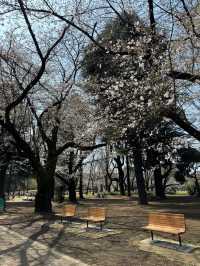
[[68, 211], [96, 215], [167, 223]]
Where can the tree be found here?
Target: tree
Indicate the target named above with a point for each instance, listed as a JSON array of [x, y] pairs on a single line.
[[39, 85], [81, 128], [131, 91], [187, 166], [160, 152]]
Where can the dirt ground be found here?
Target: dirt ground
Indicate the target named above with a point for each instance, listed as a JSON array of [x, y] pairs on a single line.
[[124, 219]]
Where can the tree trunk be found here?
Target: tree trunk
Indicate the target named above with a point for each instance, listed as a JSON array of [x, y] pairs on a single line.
[[71, 183], [107, 187], [3, 170], [159, 187], [121, 175], [72, 190], [197, 187], [139, 176], [45, 187], [81, 182], [128, 176]]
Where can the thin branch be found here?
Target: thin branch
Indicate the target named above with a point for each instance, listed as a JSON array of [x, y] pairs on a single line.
[[190, 18], [30, 29], [36, 79], [184, 76], [77, 146], [39, 123]]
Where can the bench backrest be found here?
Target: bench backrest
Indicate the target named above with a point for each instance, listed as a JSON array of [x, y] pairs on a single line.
[[97, 212], [69, 210], [167, 219]]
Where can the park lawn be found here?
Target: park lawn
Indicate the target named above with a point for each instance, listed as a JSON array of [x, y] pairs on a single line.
[[125, 217]]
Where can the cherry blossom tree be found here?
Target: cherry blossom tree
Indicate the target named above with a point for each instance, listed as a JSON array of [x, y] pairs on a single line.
[[39, 66], [135, 88]]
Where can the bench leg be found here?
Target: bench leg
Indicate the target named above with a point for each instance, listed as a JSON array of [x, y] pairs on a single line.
[[87, 224], [101, 226], [179, 239], [152, 235]]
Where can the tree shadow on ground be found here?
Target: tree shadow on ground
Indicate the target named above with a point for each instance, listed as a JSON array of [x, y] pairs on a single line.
[[39, 254]]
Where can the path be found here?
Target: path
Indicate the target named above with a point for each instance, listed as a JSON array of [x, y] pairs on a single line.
[[17, 250]]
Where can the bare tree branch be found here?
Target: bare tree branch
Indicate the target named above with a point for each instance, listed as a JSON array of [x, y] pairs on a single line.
[[184, 76]]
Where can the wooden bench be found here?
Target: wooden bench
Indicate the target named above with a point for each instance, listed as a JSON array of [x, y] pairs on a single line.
[[167, 223], [68, 211], [96, 215]]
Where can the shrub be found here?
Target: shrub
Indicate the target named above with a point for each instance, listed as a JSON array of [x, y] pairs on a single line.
[[171, 190], [190, 187]]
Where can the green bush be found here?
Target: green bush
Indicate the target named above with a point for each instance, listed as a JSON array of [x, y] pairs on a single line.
[[171, 190], [182, 193], [190, 187]]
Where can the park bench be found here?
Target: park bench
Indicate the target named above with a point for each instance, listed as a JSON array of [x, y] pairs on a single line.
[[167, 223], [68, 211], [96, 215]]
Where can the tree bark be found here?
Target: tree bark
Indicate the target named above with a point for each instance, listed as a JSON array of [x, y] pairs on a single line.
[[45, 184], [128, 176], [81, 182], [3, 170], [197, 187], [44, 194], [43, 202], [139, 175], [182, 123], [72, 190], [159, 186], [121, 174], [71, 182], [107, 187]]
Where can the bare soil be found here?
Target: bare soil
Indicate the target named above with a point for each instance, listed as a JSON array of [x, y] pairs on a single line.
[[124, 216]]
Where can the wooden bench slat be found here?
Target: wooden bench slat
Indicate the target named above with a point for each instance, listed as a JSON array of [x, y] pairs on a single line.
[[164, 229], [167, 219], [96, 214], [68, 210], [94, 219]]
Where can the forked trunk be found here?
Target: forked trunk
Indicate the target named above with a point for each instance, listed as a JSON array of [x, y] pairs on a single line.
[[121, 175]]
